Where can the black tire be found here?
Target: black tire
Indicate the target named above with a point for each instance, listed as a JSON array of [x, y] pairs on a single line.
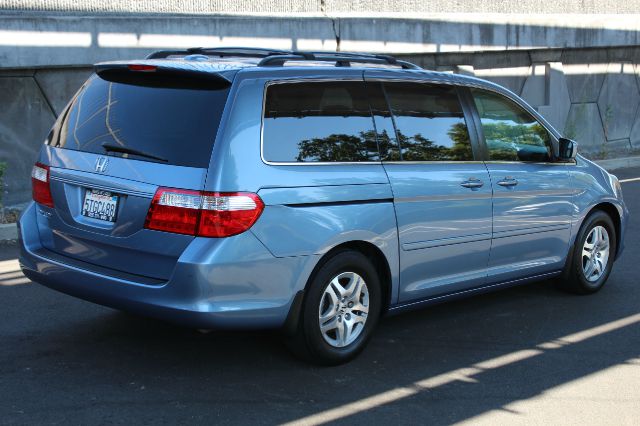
[[574, 280], [307, 341]]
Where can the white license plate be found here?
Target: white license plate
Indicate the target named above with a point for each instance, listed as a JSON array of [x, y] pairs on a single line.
[[99, 204]]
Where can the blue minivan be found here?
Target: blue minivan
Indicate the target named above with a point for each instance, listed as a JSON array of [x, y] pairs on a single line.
[[311, 192]]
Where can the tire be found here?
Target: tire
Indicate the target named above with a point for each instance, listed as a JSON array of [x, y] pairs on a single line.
[[582, 274], [339, 273]]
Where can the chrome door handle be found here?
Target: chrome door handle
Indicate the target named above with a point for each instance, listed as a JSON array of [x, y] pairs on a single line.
[[508, 181], [472, 183]]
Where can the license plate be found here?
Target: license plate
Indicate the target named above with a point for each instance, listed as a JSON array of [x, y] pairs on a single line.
[[100, 204]]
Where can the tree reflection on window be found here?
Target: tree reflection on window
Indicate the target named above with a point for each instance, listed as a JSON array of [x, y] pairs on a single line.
[[418, 148], [340, 147], [430, 122], [327, 121], [511, 134]]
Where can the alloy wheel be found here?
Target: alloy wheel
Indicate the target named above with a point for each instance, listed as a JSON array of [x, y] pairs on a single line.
[[595, 253], [343, 310]]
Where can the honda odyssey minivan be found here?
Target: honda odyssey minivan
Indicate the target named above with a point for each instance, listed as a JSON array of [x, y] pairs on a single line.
[[310, 192]]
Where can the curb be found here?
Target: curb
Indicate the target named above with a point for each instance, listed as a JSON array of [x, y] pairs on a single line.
[[9, 231]]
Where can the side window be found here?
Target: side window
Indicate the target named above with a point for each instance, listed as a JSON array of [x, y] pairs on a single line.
[[510, 132], [429, 121], [387, 143], [318, 122]]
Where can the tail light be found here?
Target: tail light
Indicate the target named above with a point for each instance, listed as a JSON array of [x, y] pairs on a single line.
[[143, 68], [204, 214], [40, 185]]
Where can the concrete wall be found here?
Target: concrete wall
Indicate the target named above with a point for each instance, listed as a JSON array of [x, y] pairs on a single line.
[[325, 6], [30, 102], [592, 95], [574, 60], [30, 39]]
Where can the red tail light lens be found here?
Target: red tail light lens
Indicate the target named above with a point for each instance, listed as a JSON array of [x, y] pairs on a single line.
[[143, 68], [40, 185], [228, 213], [205, 214], [174, 210]]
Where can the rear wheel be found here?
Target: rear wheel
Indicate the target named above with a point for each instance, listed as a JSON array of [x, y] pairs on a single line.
[[340, 310], [593, 255]]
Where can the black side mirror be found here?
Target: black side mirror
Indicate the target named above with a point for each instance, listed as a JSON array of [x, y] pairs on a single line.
[[567, 149]]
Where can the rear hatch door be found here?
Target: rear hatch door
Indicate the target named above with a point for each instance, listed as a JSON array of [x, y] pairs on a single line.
[[131, 129]]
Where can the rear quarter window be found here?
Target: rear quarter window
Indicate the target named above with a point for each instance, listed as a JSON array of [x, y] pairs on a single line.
[[172, 125], [318, 122]]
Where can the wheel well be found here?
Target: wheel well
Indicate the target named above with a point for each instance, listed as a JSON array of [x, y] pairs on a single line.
[[613, 213], [378, 260]]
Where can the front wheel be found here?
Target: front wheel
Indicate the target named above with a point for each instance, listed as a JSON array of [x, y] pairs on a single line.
[[593, 255], [340, 310]]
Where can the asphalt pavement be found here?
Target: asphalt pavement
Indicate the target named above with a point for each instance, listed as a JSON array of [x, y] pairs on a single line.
[[525, 355]]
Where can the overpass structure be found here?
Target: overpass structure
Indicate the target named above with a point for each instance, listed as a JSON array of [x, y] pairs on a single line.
[[576, 61]]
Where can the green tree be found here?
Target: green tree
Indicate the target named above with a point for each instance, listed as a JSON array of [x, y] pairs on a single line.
[[419, 148], [388, 147], [461, 149], [340, 147]]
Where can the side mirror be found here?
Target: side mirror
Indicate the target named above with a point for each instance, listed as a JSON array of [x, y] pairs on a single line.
[[567, 149]]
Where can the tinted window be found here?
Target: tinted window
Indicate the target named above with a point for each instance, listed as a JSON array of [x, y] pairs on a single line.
[[318, 121], [385, 132], [429, 121], [510, 132], [176, 125]]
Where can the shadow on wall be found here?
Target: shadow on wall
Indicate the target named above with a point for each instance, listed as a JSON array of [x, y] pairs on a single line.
[[40, 39], [30, 102], [596, 104], [592, 95]]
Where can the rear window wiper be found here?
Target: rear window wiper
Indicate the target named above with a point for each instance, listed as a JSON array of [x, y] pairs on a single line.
[[123, 149]]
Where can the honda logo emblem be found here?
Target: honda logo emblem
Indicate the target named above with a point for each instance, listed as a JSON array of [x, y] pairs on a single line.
[[101, 164]]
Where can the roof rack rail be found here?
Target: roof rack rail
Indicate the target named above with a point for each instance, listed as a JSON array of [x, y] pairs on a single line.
[[340, 58], [242, 52], [277, 57]]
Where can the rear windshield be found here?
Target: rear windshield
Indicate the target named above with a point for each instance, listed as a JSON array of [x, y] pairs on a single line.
[[167, 125]]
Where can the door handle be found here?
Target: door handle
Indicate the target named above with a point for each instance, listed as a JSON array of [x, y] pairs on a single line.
[[472, 183], [508, 181]]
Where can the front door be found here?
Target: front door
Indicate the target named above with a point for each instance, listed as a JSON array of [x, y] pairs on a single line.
[[532, 195]]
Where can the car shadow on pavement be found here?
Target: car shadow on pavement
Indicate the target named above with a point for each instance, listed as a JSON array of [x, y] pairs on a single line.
[[446, 364], [64, 359]]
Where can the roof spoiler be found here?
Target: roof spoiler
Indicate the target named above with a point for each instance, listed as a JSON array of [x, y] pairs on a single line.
[[165, 74]]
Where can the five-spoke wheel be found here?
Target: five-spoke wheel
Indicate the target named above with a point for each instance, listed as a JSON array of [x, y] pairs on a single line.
[[592, 258], [343, 309], [343, 298], [595, 253], [340, 309]]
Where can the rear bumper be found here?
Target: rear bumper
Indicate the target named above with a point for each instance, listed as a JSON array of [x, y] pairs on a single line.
[[217, 283]]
